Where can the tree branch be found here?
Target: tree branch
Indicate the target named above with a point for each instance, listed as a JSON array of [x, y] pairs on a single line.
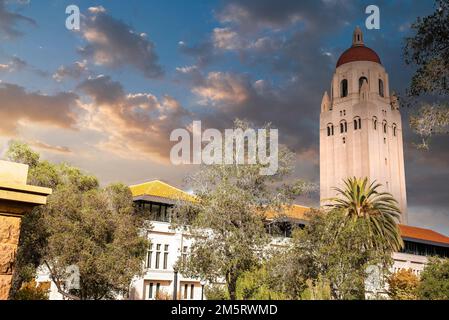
[[58, 285]]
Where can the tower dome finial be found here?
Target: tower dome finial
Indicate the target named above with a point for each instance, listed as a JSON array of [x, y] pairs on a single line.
[[357, 38]]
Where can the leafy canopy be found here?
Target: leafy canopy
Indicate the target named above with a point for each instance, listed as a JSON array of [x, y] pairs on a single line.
[[227, 218], [82, 224]]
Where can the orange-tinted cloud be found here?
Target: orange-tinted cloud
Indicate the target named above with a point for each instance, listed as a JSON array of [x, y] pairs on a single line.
[[17, 105], [134, 125]]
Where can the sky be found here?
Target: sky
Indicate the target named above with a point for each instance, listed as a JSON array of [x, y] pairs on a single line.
[[106, 97]]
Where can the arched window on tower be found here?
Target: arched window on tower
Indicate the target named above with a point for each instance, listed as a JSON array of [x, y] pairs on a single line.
[[357, 123], [343, 126], [385, 126], [375, 123], [361, 80], [381, 88], [344, 88], [394, 129], [330, 129]]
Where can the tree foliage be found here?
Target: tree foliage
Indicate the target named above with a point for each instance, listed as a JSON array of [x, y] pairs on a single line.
[[216, 292], [31, 291], [434, 283], [334, 250], [362, 200], [82, 224], [258, 284], [428, 51], [227, 220], [402, 285]]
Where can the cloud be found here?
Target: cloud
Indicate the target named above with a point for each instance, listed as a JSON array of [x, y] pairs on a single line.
[[288, 107], [113, 43], [203, 52], [15, 64], [49, 147], [134, 125], [9, 21], [227, 39], [75, 71], [265, 14], [17, 105], [219, 87]]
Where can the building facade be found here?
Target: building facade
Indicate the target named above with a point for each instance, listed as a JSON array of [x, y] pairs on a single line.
[[360, 126]]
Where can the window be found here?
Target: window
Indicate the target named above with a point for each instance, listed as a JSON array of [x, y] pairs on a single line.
[[164, 213], [375, 123], [357, 123], [186, 287], [149, 255], [394, 130], [158, 288], [344, 140], [192, 291], [155, 209], [150, 291], [385, 126], [343, 88], [361, 80], [330, 129], [343, 127], [165, 256], [381, 88], [158, 256]]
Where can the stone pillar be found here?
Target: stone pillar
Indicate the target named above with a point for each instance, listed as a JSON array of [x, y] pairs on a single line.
[[16, 199]]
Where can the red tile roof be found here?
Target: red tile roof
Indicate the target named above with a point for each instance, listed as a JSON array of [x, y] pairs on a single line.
[[423, 234], [358, 53]]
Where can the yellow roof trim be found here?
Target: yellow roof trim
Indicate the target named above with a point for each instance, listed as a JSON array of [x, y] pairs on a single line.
[[157, 188]]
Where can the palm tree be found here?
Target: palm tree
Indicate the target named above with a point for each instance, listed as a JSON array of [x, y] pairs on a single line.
[[358, 200]]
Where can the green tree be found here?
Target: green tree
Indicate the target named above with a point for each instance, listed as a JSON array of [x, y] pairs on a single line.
[[333, 250], [216, 292], [21, 153], [428, 51], [97, 232], [402, 285], [258, 284], [227, 218], [361, 200], [30, 291], [82, 224], [434, 284]]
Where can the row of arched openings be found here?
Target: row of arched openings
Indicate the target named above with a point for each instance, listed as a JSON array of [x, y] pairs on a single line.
[[344, 86], [358, 125]]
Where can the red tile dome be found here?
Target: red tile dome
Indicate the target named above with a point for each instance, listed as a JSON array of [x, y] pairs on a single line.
[[358, 53]]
